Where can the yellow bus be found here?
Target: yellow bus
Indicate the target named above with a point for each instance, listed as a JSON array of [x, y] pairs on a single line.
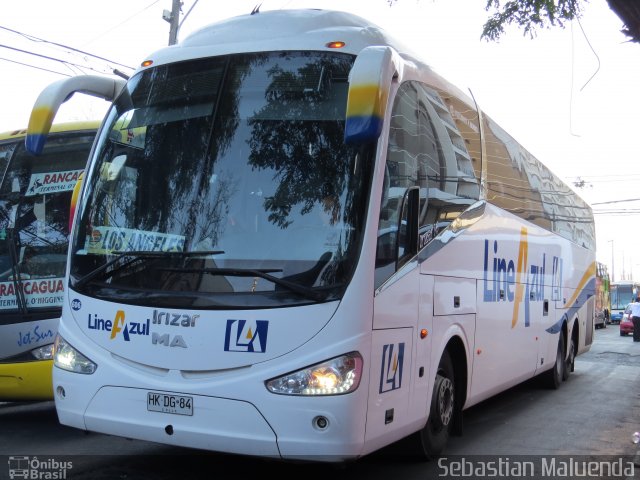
[[35, 205]]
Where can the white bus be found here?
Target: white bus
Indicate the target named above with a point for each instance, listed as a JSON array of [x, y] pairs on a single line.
[[296, 240]]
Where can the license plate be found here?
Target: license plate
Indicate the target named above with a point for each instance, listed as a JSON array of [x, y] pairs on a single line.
[[176, 404]]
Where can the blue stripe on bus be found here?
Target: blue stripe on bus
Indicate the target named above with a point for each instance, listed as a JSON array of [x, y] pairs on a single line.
[[581, 300], [362, 128], [34, 143]]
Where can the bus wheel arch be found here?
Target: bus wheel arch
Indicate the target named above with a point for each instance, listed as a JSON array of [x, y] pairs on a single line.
[[445, 410]]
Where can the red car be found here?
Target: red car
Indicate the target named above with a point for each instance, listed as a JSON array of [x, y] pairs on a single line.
[[626, 325]]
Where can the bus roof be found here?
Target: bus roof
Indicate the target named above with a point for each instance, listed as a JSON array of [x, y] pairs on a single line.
[[56, 128], [292, 29], [303, 29]]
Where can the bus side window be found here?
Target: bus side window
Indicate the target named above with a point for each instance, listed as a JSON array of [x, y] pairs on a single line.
[[425, 150], [401, 173]]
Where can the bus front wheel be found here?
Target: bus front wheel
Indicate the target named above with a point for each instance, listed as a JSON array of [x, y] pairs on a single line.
[[433, 438]]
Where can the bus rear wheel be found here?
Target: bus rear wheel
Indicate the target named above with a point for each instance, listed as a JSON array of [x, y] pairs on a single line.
[[569, 365], [433, 438], [554, 376]]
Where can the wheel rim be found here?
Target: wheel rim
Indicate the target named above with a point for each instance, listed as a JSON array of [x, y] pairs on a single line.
[[559, 361], [572, 353], [444, 402]]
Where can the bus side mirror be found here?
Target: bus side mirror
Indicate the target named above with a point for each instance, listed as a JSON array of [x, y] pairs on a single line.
[[370, 81], [50, 99], [408, 227]]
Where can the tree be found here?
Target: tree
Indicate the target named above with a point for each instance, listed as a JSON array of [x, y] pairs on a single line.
[[528, 14], [533, 14]]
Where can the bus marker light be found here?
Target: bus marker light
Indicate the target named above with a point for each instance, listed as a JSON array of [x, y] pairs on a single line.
[[479, 351], [335, 44], [424, 333], [146, 63]]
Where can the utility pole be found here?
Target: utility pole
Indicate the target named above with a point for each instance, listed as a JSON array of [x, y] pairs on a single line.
[[613, 275], [173, 17]]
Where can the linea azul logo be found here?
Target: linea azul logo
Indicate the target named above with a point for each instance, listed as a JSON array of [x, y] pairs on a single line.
[[119, 325], [391, 368], [246, 336], [38, 469], [518, 280]]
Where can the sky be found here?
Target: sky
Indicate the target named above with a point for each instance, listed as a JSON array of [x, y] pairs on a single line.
[[570, 96]]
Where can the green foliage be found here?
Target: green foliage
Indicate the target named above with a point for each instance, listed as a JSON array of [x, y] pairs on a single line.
[[529, 15]]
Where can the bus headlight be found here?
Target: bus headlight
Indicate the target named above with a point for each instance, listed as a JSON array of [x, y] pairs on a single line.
[[43, 353], [68, 358], [333, 377]]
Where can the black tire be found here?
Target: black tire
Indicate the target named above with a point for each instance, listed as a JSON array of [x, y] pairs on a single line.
[[569, 364], [432, 439], [554, 376]]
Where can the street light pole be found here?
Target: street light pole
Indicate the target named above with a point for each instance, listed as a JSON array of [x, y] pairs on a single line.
[[613, 272]]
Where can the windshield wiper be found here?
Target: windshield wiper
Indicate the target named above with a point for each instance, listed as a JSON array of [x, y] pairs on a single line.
[[138, 255], [15, 269], [261, 273]]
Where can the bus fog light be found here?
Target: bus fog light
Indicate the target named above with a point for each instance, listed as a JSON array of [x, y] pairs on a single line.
[[68, 358], [333, 377], [60, 392], [43, 353], [320, 422]]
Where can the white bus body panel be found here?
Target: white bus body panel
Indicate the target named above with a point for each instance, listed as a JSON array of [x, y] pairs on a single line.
[[197, 340], [511, 341], [233, 410]]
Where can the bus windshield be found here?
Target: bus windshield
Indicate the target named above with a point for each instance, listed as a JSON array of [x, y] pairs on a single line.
[[225, 182], [622, 294], [35, 195]]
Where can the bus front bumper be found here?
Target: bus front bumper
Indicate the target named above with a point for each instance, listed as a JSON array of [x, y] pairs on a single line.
[[219, 424]]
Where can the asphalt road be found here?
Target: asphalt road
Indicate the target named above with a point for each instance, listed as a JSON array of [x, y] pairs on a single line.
[[592, 416]]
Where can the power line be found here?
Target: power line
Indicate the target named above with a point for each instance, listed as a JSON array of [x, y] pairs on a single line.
[[594, 53], [617, 201], [616, 212], [625, 175], [122, 23], [64, 62], [40, 40], [33, 66]]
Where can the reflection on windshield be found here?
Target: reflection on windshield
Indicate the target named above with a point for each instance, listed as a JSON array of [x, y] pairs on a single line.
[[241, 154], [35, 197]]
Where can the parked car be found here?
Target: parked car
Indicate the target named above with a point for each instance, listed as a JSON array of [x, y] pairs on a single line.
[[626, 325], [616, 316]]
